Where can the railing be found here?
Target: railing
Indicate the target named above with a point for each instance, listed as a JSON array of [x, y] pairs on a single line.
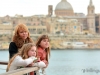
[[21, 71], [18, 71], [3, 62]]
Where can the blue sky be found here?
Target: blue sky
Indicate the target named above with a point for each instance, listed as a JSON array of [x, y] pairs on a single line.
[[37, 7]]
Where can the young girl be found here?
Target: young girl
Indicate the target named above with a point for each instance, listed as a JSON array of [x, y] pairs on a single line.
[[24, 57], [43, 49]]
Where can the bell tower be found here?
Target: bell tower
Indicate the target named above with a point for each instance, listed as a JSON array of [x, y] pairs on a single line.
[[91, 18], [50, 10]]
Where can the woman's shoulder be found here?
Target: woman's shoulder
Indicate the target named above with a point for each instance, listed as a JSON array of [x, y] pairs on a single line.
[[12, 44]]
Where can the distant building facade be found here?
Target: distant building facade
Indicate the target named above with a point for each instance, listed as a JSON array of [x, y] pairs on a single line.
[[89, 22], [65, 21]]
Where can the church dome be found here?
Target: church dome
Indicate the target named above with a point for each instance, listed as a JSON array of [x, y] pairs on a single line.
[[63, 5]]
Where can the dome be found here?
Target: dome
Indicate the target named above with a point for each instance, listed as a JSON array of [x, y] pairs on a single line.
[[63, 5]]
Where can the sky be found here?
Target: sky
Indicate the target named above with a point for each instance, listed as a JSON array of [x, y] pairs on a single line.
[[40, 7]]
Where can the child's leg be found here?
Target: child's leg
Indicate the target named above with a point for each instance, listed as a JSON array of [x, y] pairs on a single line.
[[34, 72]]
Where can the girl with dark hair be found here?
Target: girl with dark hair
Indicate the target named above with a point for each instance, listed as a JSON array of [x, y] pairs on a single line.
[[43, 49]]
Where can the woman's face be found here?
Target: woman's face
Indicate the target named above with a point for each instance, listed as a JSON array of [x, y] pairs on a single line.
[[32, 51], [23, 34], [44, 43]]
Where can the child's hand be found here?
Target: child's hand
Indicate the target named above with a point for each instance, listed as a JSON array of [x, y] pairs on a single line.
[[30, 65], [35, 60], [45, 62], [41, 64], [38, 59]]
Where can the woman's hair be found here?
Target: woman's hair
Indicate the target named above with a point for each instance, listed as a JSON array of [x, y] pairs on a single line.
[[16, 38], [23, 53], [38, 45]]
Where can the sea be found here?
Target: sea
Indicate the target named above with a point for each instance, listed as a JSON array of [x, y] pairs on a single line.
[[67, 62]]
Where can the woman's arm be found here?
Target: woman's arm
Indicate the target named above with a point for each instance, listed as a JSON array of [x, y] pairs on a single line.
[[12, 49]]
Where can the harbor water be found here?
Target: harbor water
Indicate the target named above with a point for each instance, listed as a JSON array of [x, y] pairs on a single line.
[[68, 62]]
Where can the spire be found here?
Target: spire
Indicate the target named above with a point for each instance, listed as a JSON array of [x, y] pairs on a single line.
[[91, 3], [63, 0]]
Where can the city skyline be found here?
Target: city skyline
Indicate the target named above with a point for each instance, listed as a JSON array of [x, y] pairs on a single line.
[[40, 7]]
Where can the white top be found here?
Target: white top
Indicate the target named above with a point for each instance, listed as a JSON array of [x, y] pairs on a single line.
[[18, 61], [40, 64]]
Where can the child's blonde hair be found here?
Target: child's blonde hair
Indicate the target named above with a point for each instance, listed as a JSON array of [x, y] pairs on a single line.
[[23, 52]]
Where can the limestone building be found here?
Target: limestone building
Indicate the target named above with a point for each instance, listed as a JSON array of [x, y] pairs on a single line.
[[65, 21], [88, 22], [64, 8]]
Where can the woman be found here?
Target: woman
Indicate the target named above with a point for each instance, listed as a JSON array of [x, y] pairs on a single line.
[[21, 36]]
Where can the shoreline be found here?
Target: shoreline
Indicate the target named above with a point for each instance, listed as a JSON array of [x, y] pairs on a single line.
[[66, 49], [3, 49], [77, 49]]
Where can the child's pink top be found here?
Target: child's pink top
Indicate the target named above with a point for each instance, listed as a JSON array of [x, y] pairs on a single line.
[[42, 55]]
